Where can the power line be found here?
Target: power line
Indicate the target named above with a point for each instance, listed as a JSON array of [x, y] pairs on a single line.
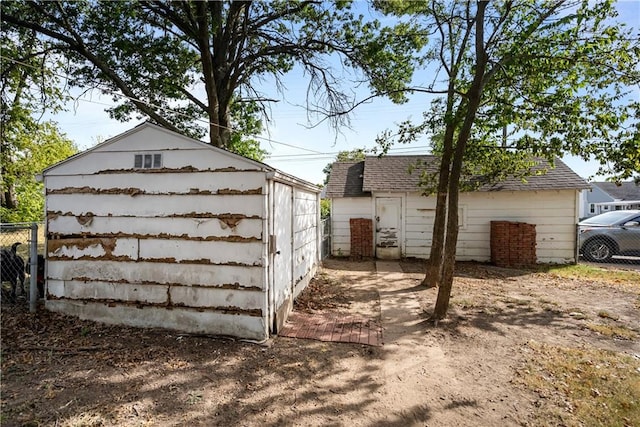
[[271, 141], [331, 155]]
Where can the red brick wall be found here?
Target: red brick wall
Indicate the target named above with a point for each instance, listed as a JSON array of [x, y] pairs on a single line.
[[361, 238], [513, 244]]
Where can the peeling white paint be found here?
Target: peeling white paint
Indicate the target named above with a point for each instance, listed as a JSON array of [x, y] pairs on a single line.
[[165, 273], [156, 317], [74, 252], [193, 236], [212, 297]]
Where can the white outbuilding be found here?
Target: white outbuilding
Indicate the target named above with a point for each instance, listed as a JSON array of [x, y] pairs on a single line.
[[155, 229], [378, 210]]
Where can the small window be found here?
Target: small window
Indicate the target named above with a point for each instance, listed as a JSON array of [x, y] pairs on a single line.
[[592, 208], [147, 161]]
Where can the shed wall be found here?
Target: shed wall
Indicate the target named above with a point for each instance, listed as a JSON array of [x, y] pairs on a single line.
[[553, 212], [305, 238], [342, 210], [180, 247]]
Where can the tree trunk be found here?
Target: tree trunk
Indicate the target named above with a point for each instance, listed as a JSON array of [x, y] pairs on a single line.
[[451, 240], [472, 105], [208, 73], [449, 259], [8, 199], [433, 275]]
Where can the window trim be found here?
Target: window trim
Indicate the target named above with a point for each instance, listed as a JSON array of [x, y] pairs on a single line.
[[147, 161]]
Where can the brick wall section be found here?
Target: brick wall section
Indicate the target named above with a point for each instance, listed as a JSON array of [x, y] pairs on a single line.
[[513, 244], [361, 238]]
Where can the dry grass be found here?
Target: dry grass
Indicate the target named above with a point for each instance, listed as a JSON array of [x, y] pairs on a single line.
[[613, 331], [606, 315], [595, 387], [630, 279]]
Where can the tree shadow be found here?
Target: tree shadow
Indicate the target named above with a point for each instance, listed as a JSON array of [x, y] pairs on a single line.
[[158, 376], [469, 269], [334, 263]]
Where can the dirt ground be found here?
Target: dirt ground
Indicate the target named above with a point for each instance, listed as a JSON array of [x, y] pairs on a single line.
[[58, 370]]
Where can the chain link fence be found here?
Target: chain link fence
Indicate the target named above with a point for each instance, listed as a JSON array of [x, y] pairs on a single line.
[[22, 264], [611, 238]]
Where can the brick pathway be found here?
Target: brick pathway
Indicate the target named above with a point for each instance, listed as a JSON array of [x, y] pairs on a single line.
[[332, 327]]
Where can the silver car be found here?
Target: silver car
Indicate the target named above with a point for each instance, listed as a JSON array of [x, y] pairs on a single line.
[[609, 234]]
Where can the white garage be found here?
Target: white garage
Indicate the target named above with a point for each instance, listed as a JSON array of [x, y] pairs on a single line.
[[154, 229]]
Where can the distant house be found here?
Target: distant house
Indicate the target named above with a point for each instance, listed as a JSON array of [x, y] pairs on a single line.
[[609, 196], [384, 191], [154, 229]]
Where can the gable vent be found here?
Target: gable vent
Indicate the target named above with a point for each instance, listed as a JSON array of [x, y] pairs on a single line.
[[147, 161]]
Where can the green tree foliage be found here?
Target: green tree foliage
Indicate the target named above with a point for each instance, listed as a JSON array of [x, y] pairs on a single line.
[[556, 75], [325, 208], [180, 63], [35, 149], [241, 142], [29, 89]]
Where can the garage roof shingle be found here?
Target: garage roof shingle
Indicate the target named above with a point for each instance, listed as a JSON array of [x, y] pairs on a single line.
[[402, 174], [622, 191]]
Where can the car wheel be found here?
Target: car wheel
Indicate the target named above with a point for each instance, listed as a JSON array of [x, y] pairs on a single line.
[[598, 250]]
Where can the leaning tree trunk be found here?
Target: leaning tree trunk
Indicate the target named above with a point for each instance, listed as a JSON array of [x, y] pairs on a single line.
[[434, 263], [473, 103], [433, 275], [451, 242]]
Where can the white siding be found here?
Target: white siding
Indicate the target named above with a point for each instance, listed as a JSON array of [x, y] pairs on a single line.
[[228, 276], [341, 211], [180, 247], [305, 236], [167, 183], [553, 213], [182, 319], [171, 228], [178, 153], [161, 205]]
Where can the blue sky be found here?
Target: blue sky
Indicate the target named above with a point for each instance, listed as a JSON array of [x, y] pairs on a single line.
[[86, 123]]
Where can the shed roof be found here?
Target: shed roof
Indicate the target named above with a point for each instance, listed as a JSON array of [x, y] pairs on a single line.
[[392, 174], [345, 180], [627, 190]]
